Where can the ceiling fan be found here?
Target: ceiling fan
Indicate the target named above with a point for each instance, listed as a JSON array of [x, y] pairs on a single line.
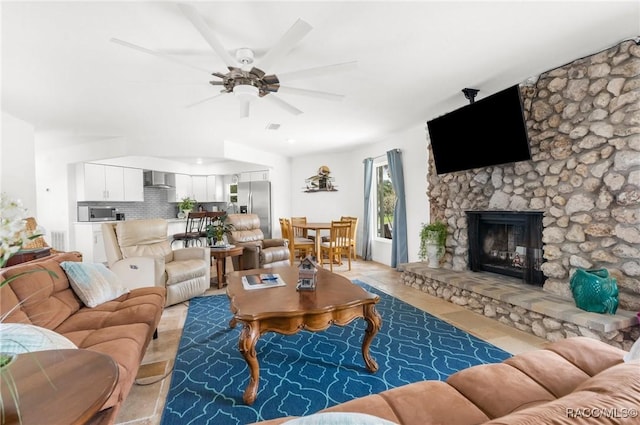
[[246, 81]]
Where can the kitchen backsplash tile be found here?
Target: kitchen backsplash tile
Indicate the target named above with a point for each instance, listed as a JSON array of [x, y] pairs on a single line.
[[155, 205]]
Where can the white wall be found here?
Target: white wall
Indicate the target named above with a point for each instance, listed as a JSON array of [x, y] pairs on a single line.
[[56, 158], [17, 163], [54, 181], [347, 170]]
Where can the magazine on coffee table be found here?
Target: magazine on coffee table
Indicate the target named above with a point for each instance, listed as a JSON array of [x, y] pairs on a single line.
[[261, 281]]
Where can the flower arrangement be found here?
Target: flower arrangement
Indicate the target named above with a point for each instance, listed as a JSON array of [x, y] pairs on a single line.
[[13, 228], [13, 235], [218, 228]]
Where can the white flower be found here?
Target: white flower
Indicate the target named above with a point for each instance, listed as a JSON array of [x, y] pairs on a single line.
[[13, 228]]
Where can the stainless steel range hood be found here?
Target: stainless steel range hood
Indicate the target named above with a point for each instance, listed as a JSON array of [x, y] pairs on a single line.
[[159, 179]]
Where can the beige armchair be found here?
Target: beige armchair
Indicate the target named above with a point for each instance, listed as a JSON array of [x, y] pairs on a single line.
[[140, 253], [258, 251]]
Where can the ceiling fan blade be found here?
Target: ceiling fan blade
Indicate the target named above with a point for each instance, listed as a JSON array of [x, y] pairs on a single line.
[[196, 19], [204, 100], [282, 104], [244, 108], [311, 93], [158, 54], [318, 71], [272, 87], [270, 79], [296, 33]]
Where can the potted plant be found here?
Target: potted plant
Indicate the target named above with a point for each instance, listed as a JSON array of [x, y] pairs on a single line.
[[186, 205], [433, 237], [217, 229]]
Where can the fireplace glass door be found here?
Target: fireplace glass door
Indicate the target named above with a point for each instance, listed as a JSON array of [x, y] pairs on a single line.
[[506, 242]]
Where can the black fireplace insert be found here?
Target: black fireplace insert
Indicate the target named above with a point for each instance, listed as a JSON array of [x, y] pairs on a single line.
[[506, 242]]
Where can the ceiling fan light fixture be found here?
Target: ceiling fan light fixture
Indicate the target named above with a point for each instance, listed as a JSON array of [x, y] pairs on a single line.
[[245, 92], [244, 55]]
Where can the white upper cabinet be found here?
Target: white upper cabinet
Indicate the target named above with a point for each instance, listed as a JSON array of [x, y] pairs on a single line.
[[254, 176], [215, 189], [133, 184], [97, 182], [184, 187], [207, 188], [199, 184]]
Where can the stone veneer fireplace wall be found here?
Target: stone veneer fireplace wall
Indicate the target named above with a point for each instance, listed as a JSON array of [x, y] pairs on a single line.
[[583, 121]]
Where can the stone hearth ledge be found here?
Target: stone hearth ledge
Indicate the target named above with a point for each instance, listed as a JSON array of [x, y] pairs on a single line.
[[522, 306]]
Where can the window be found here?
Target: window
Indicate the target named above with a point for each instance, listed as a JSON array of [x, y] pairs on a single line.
[[385, 201]]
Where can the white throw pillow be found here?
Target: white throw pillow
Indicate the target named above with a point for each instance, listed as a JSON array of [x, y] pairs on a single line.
[[339, 418], [18, 338], [93, 283]]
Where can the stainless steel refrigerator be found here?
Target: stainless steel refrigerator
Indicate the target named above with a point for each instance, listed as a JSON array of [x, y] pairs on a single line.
[[255, 198]]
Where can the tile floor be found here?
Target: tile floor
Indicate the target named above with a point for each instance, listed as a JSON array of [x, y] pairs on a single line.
[[146, 400]]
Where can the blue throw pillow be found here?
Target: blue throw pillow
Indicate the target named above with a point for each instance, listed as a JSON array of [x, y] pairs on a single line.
[[93, 283]]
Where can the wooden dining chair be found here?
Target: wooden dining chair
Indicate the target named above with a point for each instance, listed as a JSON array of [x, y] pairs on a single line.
[[298, 231], [354, 229], [339, 243], [299, 247]]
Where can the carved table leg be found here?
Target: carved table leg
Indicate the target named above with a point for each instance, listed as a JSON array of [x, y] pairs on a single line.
[[247, 345], [374, 322]]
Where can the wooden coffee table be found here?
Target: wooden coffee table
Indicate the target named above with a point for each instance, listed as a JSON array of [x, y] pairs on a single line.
[[336, 301]]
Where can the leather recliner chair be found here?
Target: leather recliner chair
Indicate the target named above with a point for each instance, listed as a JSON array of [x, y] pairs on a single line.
[[258, 252], [140, 253]]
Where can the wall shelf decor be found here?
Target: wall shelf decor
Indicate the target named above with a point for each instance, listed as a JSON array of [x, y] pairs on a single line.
[[321, 182]]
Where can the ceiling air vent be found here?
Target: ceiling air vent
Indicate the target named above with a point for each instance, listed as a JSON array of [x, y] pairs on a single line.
[[272, 126]]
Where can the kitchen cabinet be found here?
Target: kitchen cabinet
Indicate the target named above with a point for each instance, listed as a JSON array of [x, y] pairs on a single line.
[[89, 241], [199, 184], [97, 182], [175, 226], [254, 176], [215, 189], [207, 188], [133, 184], [184, 188]]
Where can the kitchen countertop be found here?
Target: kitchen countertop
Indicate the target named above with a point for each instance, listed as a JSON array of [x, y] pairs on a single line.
[[170, 220]]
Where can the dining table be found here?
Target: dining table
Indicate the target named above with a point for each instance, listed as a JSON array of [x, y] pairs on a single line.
[[316, 227]]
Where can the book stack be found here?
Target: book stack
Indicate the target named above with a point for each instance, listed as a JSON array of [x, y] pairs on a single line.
[[262, 281]]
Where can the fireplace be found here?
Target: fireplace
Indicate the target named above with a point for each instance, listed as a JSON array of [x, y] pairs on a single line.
[[506, 242]]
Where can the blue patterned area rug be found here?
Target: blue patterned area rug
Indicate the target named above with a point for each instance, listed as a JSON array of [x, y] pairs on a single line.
[[303, 373]]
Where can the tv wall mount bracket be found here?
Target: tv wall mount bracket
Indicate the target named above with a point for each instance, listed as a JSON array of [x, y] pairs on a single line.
[[470, 94]]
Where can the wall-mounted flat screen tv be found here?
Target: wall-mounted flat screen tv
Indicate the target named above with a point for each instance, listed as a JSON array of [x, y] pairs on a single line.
[[488, 132]]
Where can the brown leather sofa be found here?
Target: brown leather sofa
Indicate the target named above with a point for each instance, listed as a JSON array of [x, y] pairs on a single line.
[[121, 328], [573, 381], [258, 251]]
